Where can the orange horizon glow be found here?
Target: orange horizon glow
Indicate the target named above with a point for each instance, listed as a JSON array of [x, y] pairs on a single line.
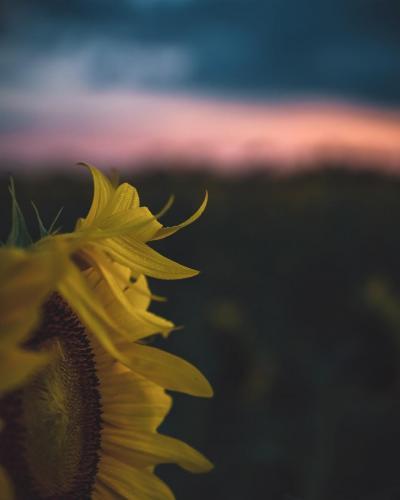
[[127, 128]]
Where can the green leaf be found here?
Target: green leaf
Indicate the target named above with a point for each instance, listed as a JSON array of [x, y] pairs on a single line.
[[51, 228], [42, 228], [19, 235]]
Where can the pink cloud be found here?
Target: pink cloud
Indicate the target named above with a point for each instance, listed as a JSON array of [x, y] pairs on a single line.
[[74, 123]]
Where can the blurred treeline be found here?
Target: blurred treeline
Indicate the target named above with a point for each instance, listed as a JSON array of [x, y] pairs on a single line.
[[293, 319]]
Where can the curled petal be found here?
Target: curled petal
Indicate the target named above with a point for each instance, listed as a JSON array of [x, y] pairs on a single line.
[[103, 191], [164, 232]]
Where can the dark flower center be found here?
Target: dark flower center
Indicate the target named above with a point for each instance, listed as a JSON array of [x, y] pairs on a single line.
[[51, 441]]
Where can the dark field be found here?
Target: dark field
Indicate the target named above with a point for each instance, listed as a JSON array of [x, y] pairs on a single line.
[[294, 319]]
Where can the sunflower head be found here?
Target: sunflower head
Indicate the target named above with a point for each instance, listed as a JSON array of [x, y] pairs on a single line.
[[81, 395]]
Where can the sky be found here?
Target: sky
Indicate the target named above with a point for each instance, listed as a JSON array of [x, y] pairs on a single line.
[[225, 80]]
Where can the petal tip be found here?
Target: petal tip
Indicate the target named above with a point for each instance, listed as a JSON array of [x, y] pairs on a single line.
[[204, 389], [207, 466], [209, 391]]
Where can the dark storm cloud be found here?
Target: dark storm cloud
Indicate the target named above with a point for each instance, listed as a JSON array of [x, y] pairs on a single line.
[[346, 48]]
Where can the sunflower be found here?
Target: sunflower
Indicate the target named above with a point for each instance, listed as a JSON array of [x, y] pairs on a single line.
[[82, 394]]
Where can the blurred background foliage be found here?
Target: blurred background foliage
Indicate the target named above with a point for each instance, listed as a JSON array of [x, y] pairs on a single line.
[[295, 319]]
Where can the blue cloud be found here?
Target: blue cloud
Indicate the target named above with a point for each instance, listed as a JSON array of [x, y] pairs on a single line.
[[251, 48]]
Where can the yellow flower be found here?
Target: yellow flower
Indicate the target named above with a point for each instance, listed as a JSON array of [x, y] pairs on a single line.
[[82, 396]]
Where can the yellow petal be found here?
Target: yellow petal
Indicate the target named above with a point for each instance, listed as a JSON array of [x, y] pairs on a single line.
[[134, 323], [167, 370], [98, 286], [164, 232], [17, 366], [142, 259], [152, 449], [83, 302], [131, 483], [103, 191], [121, 275], [138, 396], [138, 404], [139, 223], [105, 269], [16, 325], [139, 294], [125, 197], [147, 231], [134, 417], [26, 278]]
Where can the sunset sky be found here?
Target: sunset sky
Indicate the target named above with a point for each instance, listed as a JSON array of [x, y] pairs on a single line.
[[225, 81]]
